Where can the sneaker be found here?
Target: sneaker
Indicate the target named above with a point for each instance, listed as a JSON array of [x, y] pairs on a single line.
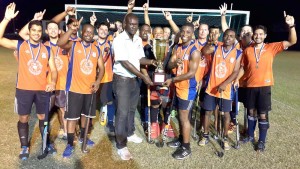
[[134, 138], [260, 146], [174, 144], [248, 139], [181, 153], [203, 141], [226, 144], [124, 154], [68, 151], [61, 133], [24, 154], [215, 137], [51, 149], [89, 142]]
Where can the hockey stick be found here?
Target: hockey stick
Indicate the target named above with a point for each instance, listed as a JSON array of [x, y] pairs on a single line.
[[237, 145], [149, 117], [221, 128], [87, 121], [45, 132], [195, 136]]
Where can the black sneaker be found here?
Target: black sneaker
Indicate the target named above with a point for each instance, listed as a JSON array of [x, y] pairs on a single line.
[[174, 144], [182, 153], [260, 146]]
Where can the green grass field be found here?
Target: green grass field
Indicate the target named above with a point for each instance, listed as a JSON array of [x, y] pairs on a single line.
[[282, 148]]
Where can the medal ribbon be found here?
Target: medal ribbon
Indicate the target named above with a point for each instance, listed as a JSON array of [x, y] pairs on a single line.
[[87, 57], [34, 58], [257, 57]]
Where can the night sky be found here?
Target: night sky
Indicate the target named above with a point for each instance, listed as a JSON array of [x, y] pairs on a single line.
[[261, 11]]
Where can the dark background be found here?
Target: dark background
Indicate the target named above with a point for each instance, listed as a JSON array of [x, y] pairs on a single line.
[[265, 12]]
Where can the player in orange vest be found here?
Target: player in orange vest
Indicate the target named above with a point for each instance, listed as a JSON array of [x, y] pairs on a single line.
[[186, 61], [257, 66], [82, 82], [32, 85], [224, 69]]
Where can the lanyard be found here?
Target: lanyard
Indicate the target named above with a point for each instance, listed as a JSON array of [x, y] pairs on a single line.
[[226, 54], [257, 57], [34, 58], [87, 57], [185, 49], [56, 54]]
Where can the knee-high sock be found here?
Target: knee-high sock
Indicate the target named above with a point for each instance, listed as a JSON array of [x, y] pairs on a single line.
[[111, 113], [23, 130], [263, 126], [251, 125]]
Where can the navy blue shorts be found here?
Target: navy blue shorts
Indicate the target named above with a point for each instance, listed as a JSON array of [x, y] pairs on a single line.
[[25, 98], [184, 104], [79, 104], [210, 103]]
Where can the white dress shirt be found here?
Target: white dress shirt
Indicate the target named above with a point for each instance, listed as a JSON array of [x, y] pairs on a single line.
[[126, 49]]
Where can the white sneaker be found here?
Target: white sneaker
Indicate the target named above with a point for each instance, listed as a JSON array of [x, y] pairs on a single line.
[[134, 138], [124, 153]]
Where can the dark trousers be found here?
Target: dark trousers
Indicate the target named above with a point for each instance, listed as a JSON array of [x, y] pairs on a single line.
[[126, 91]]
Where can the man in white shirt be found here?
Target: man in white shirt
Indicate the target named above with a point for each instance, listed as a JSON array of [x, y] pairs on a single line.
[[129, 55]]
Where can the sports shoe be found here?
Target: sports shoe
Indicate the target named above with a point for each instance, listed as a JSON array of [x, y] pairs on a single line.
[[174, 144], [124, 154], [89, 142], [215, 137], [181, 153], [260, 146], [51, 149], [61, 133], [134, 138], [203, 141], [68, 151], [226, 144], [248, 139], [24, 154]]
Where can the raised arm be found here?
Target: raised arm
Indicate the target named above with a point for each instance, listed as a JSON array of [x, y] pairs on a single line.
[[289, 20], [93, 19], [146, 14], [9, 14], [173, 25], [64, 41], [24, 32], [131, 4], [223, 10], [61, 16]]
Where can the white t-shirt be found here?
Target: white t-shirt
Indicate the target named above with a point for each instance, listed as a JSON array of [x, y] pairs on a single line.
[[126, 49]]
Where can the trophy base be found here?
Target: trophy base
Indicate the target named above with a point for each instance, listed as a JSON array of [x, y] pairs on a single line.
[[159, 78]]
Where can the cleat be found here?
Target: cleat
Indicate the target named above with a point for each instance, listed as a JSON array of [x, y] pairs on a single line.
[[260, 146], [24, 154], [181, 153], [68, 151], [174, 144], [248, 139]]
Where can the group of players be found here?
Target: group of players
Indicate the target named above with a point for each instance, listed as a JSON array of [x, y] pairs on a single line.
[[77, 68]]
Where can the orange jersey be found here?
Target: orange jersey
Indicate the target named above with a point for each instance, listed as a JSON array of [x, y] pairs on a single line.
[[258, 64], [82, 67], [223, 64], [61, 62], [203, 64], [186, 89], [76, 39], [106, 54], [33, 66]]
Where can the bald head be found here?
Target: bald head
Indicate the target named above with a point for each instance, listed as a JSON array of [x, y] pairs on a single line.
[[131, 24]]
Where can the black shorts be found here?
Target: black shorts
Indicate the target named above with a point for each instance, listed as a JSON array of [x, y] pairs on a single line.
[[79, 104], [242, 95], [25, 98], [106, 93], [60, 98], [259, 98], [202, 93], [210, 103]]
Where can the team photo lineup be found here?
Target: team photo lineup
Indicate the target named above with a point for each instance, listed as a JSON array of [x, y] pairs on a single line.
[[123, 67]]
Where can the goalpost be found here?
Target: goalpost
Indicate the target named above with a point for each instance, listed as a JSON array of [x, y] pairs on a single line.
[[237, 18]]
